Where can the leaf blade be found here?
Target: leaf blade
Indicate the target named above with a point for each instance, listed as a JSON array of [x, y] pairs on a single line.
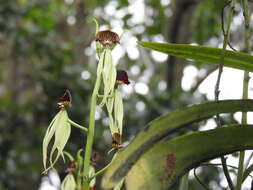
[[209, 55], [163, 126], [157, 161]]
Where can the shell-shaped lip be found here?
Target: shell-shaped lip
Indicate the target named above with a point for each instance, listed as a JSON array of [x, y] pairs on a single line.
[[65, 100], [122, 77], [107, 38]]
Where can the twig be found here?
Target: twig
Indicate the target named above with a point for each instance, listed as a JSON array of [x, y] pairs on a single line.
[[201, 79], [248, 160], [217, 91], [222, 25], [234, 167], [245, 89], [200, 182]]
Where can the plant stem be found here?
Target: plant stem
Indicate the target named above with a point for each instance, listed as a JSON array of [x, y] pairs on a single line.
[[100, 171], [245, 90], [90, 135], [217, 91], [74, 124]]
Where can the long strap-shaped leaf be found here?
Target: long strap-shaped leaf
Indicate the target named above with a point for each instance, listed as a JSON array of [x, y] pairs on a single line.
[[204, 54], [161, 166], [164, 125]]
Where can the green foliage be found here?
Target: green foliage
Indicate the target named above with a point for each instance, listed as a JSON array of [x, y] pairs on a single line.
[[210, 55], [206, 19], [174, 157], [164, 126]]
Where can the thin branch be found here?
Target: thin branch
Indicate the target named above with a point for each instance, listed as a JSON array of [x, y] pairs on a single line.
[[234, 167], [222, 25], [217, 91], [246, 15], [200, 182], [248, 160], [201, 79]]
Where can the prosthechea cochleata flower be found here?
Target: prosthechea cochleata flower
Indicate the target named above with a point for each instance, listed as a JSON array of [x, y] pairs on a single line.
[[115, 109], [106, 41], [69, 182], [60, 129]]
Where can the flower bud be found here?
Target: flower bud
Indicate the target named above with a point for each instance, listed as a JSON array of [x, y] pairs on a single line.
[[122, 77]]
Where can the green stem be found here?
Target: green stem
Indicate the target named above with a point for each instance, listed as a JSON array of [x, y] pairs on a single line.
[[79, 171], [225, 43], [245, 90], [68, 155], [103, 169], [217, 91], [74, 124], [100, 171], [90, 136]]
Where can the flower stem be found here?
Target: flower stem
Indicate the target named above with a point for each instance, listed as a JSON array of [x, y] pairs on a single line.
[[245, 90], [217, 91], [90, 134], [74, 124]]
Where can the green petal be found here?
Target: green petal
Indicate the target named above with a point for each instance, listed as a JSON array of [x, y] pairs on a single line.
[[91, 174], [48, 136], [68, 183], [109, 76], [109, 106], [62, 134], [100, 64], [118, 111]]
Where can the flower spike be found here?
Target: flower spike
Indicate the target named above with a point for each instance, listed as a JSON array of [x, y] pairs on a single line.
[[60, 129]]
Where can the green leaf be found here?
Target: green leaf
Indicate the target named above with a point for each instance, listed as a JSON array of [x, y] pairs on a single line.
[[165, 162], [204, 54], [184, 182], [162, 127]]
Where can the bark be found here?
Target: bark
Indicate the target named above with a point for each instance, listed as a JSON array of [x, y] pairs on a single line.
[[180, 32]]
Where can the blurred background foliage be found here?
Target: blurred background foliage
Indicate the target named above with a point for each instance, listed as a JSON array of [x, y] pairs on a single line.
[[48, 46]]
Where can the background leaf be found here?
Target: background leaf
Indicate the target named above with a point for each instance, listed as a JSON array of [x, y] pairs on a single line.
[[210, 55]]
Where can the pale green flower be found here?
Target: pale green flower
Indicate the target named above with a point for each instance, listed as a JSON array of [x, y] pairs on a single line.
[[91, 173], [60, 129], [68, 183]]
